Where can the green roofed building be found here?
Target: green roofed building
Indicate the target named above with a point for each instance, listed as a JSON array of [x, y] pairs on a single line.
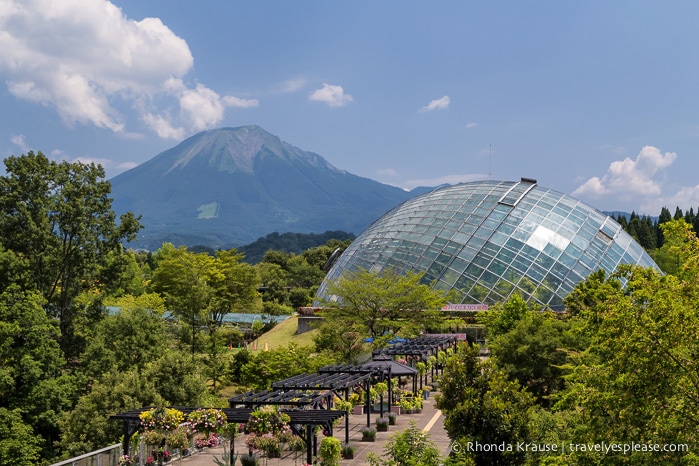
[[489, 239]]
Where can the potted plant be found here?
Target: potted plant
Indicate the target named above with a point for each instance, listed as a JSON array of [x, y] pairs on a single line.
[[391, 418], [330, 452], [179, 440], [426, 391], [296, 444], [357, 400], [422, 370], [249, 460], [126, 460], [348, 452], [382, 424], [417, 403], [406, 406], [381, 389], [269, 444], [368, 434]]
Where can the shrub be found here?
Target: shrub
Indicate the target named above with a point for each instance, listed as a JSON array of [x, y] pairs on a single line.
[[348, 452], [368, 432], [249, 460], [330, 452], [411, 446]]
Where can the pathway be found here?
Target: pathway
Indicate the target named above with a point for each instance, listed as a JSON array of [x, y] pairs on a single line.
[[430, 420]]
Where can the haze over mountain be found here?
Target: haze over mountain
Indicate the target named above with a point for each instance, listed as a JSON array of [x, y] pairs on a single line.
[[227, 187]]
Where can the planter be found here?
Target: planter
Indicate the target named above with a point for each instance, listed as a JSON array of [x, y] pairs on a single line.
[[368, 439], [425, 394], [348, 456], [395, 409], [382, 428], [359, 409], [376, 407]]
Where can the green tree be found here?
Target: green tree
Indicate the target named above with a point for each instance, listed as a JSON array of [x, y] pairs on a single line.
[[32, 373], [481, 406], [281, 363], [176, 379], [18, 444], [347, 341], [502, 318], [58, 216], [88, 427], [676, 250], [411, 447], [234, 286], [182, 277], [385, 303], [534, 353], [129, 339], [640, 379]]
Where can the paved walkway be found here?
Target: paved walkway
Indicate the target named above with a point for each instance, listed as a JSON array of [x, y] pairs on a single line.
[[430, 420]]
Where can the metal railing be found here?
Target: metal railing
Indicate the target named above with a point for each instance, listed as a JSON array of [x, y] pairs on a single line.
[[108, 456]]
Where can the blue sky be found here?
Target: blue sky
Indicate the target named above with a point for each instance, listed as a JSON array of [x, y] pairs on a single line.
[[595, 99]]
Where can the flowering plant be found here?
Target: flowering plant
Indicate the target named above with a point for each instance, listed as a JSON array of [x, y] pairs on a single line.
[[161, 419], [200, 441], [269, 444], [207, 420], [267, 420], [150, 461], [162, 455], [152, 437], [126, 460], [179, 438]]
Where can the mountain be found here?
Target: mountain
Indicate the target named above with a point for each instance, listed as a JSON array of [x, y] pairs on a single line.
[[227, 187]]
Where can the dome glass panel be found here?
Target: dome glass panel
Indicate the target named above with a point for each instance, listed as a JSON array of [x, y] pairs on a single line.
[[489, 239]]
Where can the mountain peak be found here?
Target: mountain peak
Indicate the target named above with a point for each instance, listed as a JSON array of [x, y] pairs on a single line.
[[230, 149], [230, 186]]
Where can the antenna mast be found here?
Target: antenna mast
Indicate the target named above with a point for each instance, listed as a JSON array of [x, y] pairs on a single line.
[[490, 161]]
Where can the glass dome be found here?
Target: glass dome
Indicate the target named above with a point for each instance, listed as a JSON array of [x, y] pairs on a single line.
[[489, 239]]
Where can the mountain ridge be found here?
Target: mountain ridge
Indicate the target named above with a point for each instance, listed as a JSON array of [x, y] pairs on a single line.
[[230, 186]]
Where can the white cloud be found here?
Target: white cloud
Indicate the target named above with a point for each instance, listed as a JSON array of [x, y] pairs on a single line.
[[237, 102], [162, 126], [684, 199], [437, 104], [332, 95], [471, 125], [19, 141], [628, 178], [85, 57]]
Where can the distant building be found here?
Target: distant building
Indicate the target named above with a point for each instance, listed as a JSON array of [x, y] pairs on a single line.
[[489, 239]]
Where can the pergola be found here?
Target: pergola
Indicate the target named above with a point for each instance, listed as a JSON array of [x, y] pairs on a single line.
[[308, 418], [300, 398], [337, 380], [422, 347]]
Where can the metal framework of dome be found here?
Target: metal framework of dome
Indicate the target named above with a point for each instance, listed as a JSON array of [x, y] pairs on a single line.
[[487, 240]]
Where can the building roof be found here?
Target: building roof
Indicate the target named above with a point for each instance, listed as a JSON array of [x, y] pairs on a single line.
[[487, 240]]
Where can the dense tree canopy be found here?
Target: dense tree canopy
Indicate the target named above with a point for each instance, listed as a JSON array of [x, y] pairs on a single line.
[[481, 406], [384, 303], [58, 216]]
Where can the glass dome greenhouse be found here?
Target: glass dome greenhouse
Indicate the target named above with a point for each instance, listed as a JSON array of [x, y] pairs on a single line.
[[489, 239]]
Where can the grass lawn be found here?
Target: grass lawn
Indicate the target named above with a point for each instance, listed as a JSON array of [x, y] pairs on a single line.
[[283, 334]]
